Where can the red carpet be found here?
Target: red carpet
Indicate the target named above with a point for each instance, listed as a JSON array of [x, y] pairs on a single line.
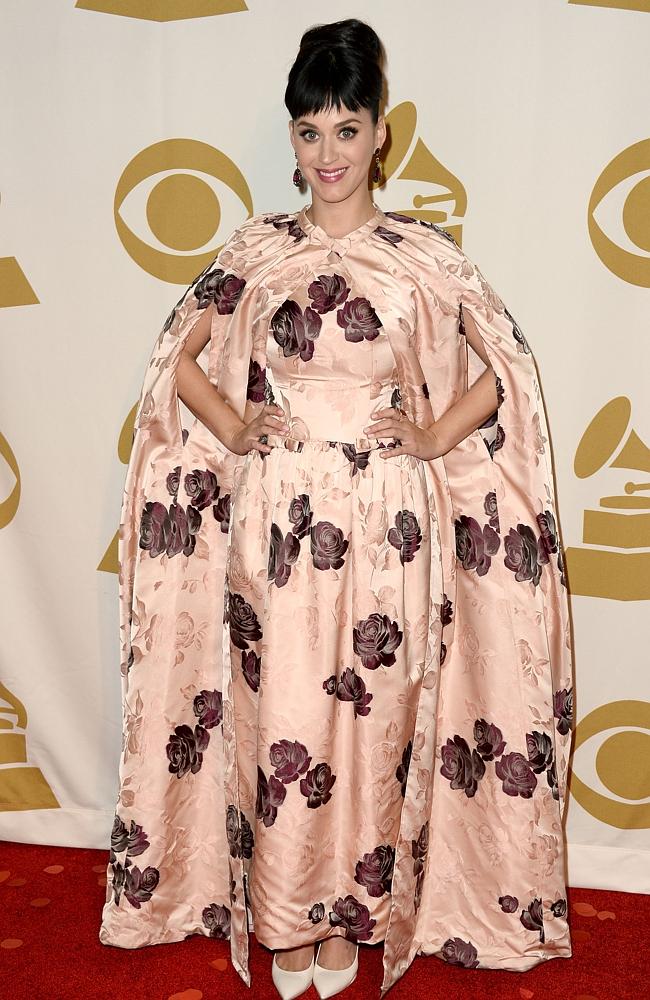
[[50, 906]]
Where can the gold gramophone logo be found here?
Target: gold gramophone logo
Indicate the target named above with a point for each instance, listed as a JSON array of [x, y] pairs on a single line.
[[643, 5], [163, 10], [627, 256], [9, 505], [109, 561], [614, 560], [409, 160], [22, 786], [15, 289]]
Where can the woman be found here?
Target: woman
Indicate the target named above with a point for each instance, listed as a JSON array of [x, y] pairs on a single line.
[[351, 561]]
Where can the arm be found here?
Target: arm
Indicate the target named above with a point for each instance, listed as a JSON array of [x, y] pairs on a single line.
[[200, 396]]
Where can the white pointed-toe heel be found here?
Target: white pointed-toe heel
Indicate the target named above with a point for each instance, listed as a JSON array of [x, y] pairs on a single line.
[[291, 984], [330, 981]]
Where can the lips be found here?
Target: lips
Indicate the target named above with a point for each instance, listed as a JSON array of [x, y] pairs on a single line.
[[331, 176]]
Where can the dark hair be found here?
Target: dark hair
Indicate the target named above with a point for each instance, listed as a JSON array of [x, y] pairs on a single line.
[[337, 64]]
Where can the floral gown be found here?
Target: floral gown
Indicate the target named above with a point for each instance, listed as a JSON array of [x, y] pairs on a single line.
[[329, 603]]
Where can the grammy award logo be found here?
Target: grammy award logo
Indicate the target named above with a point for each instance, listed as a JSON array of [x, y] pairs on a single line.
[[15, 289], [109, 561], [163, 10], [408, 159], [608, 564], [9, 505], [643, 5], [22, 786]]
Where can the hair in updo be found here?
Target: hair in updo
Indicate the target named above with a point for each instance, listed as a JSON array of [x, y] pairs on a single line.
[[337, 64]]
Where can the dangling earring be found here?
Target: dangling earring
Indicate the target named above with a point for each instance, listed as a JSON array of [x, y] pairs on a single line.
[[297, 175], [376, 174]]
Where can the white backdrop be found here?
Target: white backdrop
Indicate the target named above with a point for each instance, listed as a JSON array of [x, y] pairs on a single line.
[[521, 127]]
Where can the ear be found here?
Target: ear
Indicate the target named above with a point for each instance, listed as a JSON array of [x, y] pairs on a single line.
[[380, 131], [292, 136]]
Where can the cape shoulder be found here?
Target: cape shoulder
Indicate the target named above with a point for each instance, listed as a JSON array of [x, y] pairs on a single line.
[[257, 240]]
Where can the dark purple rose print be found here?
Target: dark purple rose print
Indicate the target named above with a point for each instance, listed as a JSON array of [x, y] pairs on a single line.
[[521, 554], [221, 288], [173, 481], [217, 919], [358, 459], [289, 760], [208, 708], [283, 553], [270, 795], [328, 546], [185, 749], [375, 639], [300, 515], [489, 739], [251, 666], [388, 235], [134, 842], [375, 870], [244, 625], [316, 913], [352, 688], [348, 912], [419, 850], [551, 777], [221, 511], [359, 320], [406, 536], [475, 545], [283, 221], [239, 834], [491, 509], [499, 438], [256, 382], [425, 390], [517, 333], [558, 908], [403, 769], [563, 710], [548, 536], [508, 903], [295, 331], [184, 526], [516, 774], [447, 611], [329, 685], [138, 886], [155, 528], [327, 292], [119, 836], [500, 390], [560, 565], [455, 951], [439, 230], [202, 487], [540, 751], [398, 217], [533, 918], [396, 398], [463, 768], [317, 785]]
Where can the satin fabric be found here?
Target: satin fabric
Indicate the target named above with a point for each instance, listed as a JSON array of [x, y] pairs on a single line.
[[478, 875]]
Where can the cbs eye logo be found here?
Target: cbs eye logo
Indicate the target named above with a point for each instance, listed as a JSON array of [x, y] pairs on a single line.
[[618, 792], [626, 214], [183, 210]]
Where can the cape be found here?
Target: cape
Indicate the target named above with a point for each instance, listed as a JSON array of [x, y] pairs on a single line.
[[479, 875]]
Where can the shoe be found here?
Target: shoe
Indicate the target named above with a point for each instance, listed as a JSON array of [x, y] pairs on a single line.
[[291, 984], [330, 981]]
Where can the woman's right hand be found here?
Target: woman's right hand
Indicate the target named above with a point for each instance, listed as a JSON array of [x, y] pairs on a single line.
[[270, 420]]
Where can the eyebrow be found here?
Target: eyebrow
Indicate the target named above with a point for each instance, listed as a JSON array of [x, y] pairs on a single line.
[[303, 121]]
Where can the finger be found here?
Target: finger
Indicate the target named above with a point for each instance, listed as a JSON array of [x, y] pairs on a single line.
[[383, 412], [389, 452], [271, 425], [260, 446], [386, 428]]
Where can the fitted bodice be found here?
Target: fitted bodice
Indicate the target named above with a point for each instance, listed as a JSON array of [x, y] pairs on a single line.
[[329, 360]]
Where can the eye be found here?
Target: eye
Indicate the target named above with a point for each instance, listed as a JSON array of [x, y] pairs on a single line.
[[307, 132], [614, 787], [189, 195], [352, 131]]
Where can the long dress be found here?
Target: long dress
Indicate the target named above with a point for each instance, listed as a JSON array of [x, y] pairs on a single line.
[[346, 679]]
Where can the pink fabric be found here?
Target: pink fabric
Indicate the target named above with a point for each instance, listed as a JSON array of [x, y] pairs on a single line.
[[441, 832]]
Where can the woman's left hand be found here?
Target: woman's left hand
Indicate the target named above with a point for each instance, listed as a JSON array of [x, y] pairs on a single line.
[[418, 441]]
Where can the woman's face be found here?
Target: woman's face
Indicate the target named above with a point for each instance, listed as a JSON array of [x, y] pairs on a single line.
[[334, 150]]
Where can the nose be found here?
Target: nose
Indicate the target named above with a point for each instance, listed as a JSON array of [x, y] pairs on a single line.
[[328, 153]]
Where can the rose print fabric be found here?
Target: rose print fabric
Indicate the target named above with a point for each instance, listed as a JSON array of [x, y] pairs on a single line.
[[347, 680]]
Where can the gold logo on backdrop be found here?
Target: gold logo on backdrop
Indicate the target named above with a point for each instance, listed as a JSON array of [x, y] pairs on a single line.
[[21, 785], [109, 562], [618, 763], [643, 5], [635, 215], [183, 210], [409, 159], [608, 565], [9, 505], [163, 10], [15, 290]]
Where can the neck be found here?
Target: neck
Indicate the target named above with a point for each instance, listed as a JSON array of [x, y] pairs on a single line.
[[340, 218]]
